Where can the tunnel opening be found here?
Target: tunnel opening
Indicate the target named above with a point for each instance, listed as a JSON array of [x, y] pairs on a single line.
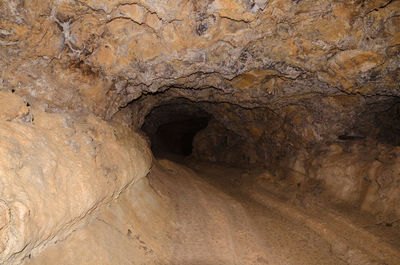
[[172, 127], [219, 132], [177, 136]]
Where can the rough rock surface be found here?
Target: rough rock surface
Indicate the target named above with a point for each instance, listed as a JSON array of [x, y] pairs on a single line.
[[101, 55], [298, 73], [56, 170], [308, 89], [358, 175]]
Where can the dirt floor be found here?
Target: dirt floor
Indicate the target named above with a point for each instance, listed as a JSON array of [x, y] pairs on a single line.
[[204, 213]]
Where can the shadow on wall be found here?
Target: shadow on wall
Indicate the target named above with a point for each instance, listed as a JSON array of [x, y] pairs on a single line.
[[380, 121]]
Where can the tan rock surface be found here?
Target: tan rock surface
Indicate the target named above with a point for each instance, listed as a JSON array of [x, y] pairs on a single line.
[[307, 89], [12, 107], [284, 49], [55, 171]]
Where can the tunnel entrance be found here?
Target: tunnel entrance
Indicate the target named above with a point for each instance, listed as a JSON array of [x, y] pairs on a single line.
[[177, 137], [173, 126]]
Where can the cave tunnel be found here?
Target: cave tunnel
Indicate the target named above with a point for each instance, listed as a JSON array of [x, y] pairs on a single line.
[[188, 132], [171, 127]]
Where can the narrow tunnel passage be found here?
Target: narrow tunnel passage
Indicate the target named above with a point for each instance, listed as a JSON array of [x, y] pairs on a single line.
[[177, 136], [262, 196], [192, 132], [173, 126], [272, 213]]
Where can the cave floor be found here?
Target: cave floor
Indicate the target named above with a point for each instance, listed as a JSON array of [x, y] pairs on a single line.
[[278, 225], [204, 213], [234, 228], [298, 228]]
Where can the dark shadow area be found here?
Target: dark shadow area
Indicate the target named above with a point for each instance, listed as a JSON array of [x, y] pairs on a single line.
[[388, 122], [379, 121], [172, 127], [176, 137]]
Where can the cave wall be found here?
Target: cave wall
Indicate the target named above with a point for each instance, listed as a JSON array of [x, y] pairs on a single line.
[[329, 145], [308, 89], [364, 175], [324, 69], [56, 170]]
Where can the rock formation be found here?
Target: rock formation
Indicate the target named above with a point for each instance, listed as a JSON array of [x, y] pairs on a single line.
[[301, 97]]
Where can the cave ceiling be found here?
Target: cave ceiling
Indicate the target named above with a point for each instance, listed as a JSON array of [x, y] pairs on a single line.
[[101, 55]]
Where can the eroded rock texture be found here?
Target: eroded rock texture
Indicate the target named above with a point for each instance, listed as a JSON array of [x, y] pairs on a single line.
[[103, 54], [307, 90], [55, 171]]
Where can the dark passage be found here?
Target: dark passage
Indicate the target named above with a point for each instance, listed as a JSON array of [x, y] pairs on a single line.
[[176, 137], [172, 127]]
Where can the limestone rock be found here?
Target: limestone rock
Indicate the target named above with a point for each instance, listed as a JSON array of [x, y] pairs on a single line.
[[56, 171], [12, 107], [307, 89], [250, 51]]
